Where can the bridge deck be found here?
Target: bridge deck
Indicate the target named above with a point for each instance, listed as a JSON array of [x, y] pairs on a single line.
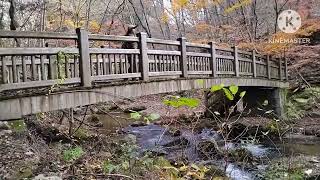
[[99, 63]]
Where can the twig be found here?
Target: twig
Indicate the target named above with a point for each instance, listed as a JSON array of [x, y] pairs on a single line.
[[83, 119], [109, 115], [105, 175]]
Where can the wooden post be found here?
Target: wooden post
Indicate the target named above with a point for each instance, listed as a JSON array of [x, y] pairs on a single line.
[[268, 67], [236, 61], [144, 61], [280, 69], [84, 60], [254, 64], [213, 59], [183, 59]]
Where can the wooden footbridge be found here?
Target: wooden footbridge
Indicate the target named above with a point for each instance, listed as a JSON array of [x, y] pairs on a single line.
[[42, 71]]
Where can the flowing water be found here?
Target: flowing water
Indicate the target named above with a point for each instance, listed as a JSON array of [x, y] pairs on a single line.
[[185, 145]]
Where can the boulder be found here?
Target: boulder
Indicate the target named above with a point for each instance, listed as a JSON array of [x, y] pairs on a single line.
[[134, 109], [42, 177], [138, 124], [4, 125], [179, 142]]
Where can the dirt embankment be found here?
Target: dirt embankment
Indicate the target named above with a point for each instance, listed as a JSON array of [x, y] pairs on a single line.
[[304, 65]]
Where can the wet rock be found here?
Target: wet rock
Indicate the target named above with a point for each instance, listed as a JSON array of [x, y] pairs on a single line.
[[94, 110], [216, 172], [94, 118], [176, 132], [4, 125], [179, 142], [173, 132], [209, 149], [78, 110], [113, 107], [184, 118], [135, 109], [42, 177], [157, 152], [98, 124], [138, 124], [5, 132], [48, 133], [314, 114], [241, 155]]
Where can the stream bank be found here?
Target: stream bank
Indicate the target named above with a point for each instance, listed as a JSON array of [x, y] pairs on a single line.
[[109, 143]]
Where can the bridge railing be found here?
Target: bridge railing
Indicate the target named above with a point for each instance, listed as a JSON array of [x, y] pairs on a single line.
[[83, 59]]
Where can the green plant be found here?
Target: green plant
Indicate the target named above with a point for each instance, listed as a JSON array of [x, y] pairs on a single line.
[[297, 104], [61, 61], [81, 134], [280, 171], [229, 92], [17, 126], [72, 154], [109, 167], [177, 102], [149, 118]]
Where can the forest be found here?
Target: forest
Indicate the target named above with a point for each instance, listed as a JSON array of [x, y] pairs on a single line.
[[210, 131]]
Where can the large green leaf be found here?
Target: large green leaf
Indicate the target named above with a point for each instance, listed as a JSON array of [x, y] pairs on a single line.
[[301, 100], [243, 93], [216, 87], [135, 115], [183, 101], [233, 89], [153, 116], [228, 94], [265, 103]]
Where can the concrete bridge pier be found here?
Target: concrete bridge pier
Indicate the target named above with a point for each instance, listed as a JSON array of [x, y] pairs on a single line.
[[260, 100], [257, 101]]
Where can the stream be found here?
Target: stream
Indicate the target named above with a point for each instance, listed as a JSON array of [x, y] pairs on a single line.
[[200, 147]]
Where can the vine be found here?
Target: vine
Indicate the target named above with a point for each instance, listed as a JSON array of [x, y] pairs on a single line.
[[61, 61]]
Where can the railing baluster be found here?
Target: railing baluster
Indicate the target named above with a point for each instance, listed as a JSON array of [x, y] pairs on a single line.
[[24, 69], [34, 68], [4, 70], [268, 67], [14, 69], [286, 68], [66, 67], [236, 61], [280, 69], [121, 64], [51, 68], [104, 67], [254, 64], [110, 64], [76, 66], [91, 65], [98, 70]]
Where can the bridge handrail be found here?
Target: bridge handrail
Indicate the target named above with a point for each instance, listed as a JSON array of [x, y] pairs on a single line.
[[25, 67]]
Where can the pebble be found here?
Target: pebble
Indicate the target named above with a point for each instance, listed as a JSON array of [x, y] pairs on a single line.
[[29, 153], [5, 132]]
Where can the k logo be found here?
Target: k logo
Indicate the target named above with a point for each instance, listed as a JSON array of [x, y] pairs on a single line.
[[289, 21]]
